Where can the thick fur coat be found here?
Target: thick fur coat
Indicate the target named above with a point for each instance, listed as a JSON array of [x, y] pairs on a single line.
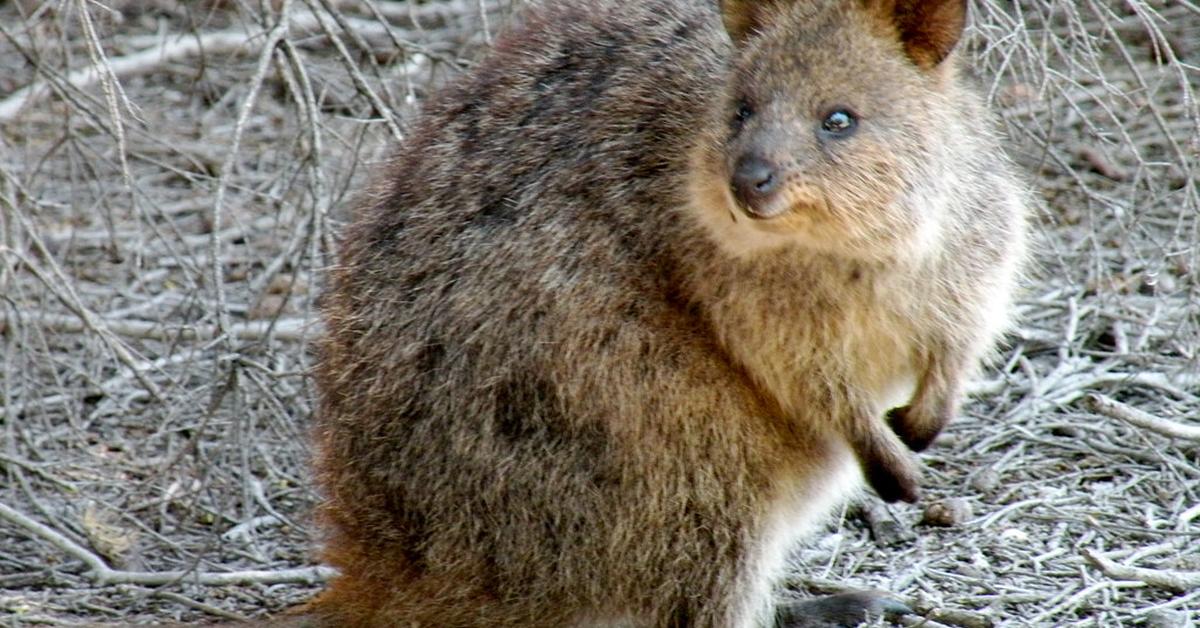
[[571, 376]]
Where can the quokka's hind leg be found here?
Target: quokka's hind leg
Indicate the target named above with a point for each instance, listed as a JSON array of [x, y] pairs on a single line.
[[426, 603]]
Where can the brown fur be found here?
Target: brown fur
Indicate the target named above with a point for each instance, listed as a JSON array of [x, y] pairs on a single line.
[[567, 380]]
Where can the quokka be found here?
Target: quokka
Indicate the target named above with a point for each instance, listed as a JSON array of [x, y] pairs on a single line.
[[648, 292]]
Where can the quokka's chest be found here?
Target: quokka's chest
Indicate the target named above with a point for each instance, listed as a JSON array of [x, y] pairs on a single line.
[[798, 336]]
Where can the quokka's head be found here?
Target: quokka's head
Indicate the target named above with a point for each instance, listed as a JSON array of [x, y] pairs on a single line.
[[842, 126]]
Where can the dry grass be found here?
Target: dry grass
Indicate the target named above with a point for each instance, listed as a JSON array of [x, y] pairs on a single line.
[[171, 175]]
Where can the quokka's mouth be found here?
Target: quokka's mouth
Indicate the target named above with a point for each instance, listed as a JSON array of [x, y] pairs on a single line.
[[768, 212], [794, 208]]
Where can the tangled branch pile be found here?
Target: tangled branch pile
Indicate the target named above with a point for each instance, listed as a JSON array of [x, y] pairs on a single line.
[[171, 182]]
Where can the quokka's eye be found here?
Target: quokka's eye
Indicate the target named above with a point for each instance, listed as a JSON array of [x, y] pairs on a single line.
[[839, 123], [743, 113]]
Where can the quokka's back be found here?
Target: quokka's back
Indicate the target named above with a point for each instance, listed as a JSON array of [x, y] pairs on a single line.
[[645, 294]]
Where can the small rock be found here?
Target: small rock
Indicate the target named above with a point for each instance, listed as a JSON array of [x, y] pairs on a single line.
[[1168, 619], [947, 513], [270, 306], [1014, 535], [1070, 431], [985, 481], [971, 571], [283, 283], [1158, 283], [237, 273]]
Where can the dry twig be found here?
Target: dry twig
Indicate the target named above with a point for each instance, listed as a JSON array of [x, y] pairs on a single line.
[[1140, 418], [101, 573], [173, 50], [281, 329], [1182, 581]]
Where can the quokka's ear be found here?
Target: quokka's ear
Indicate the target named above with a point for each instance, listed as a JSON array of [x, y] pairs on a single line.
[[929, 29], [743, 17]]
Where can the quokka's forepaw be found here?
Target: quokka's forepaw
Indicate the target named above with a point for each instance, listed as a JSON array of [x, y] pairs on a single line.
[[838, 611], [915, 430], [893, 482], [886, 464]]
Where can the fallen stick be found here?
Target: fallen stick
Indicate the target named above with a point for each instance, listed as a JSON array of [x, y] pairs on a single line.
[[422, 16], [102, 574], [167, 51], [282, 329], [1124, 412], [1181, 581], [198, 605], [126, 66]]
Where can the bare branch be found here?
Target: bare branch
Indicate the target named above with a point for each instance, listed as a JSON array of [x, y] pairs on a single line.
[[282, 329], [1181, 581], [101, 573], [174, 50], [1140, 418]]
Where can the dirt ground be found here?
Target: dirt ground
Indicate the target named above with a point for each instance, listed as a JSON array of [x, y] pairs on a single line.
[[173, 175]]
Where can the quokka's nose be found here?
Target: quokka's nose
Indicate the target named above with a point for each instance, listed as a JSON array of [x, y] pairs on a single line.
[[754, 184]]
